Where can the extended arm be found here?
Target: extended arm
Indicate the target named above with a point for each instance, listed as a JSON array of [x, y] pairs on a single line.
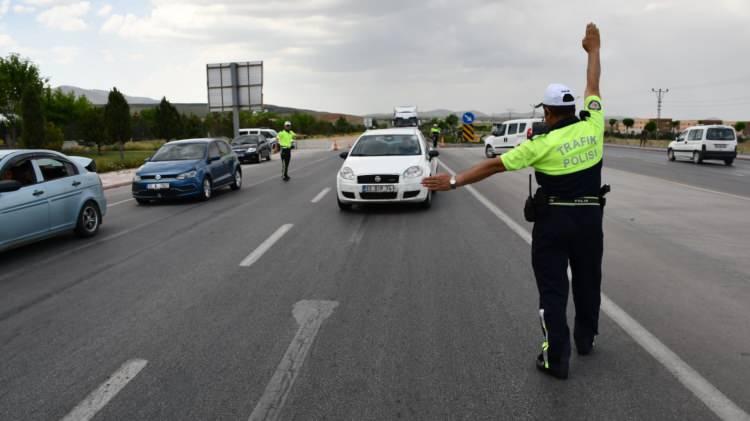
[[479, 172], [592, 45]]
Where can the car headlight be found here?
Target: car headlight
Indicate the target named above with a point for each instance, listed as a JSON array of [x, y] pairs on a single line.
[[250, 150], [347, 173], [415, 171], [137, 178], [186, 175]]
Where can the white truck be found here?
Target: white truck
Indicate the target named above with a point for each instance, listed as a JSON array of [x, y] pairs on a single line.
[[405, 116]]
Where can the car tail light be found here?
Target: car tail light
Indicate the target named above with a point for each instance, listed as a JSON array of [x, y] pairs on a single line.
[[529, 133]]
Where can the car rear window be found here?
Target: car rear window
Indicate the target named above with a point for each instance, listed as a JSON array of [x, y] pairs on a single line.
[[180, 152], [720, 133]]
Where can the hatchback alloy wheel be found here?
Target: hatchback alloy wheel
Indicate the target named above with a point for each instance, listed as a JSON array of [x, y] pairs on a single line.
[[88, 220], [206, 189]]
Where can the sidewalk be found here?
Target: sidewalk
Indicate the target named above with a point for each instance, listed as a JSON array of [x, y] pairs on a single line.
[[111, 180], [649, 148]]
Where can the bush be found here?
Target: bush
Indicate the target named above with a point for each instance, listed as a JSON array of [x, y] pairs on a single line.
[[107, 165], [53, 137]]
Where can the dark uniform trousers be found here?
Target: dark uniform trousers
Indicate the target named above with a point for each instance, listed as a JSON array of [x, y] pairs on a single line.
[[286, 157], [568, 235]]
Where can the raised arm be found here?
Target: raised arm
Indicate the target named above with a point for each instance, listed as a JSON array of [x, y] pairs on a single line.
[[592, 45]]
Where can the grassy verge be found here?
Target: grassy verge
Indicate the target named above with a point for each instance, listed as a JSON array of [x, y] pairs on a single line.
[[742, 148], [110, 160]]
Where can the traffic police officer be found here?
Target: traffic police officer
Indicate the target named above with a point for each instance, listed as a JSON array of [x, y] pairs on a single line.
[[286, 141], [435, 132], [568, 211]]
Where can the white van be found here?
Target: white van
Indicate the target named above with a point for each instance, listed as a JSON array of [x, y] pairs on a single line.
[[507, 135], [699, 143], [271, 136]]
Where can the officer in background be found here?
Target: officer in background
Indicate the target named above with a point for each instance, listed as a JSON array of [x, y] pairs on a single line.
[[567, 211], [286, 141], [435, 132]]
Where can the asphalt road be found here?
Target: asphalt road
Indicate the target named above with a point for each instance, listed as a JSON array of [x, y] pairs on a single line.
[[378, 314]]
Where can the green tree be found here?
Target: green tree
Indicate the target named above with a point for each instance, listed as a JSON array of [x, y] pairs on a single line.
[[117, 119], [93, 128], [628, 122], [612, 124], [32, 118], [192, 127], [168, 122], [16, 75], [65, 110], [650, 127], [740, 126], [53, 137], [342, 126]]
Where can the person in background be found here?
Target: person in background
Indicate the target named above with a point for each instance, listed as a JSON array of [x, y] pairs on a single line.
[[286, 141]]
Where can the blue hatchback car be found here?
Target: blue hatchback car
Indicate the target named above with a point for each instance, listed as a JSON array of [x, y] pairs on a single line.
[[45, 193], [191, 168]]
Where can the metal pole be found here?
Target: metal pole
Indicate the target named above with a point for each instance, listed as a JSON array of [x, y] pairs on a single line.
[[659, 97], [235, 100]]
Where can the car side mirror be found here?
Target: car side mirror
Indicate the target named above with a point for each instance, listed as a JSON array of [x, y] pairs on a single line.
[[344, 154], [433, 153], [7, 186]]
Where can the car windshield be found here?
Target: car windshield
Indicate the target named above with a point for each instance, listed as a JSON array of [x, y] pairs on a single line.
[[720, 133], [180, 152], [246, 140], [387, 145]]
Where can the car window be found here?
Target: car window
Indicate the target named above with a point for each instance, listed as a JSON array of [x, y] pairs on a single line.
[[521, 127], [21, 171], [267, 135], [682, 136], [180, 152], [696, 134], [513, 128], [53, 169], [224, 148], [500, 130], [213, 151], [387, 145], [247, 140], [720, 133]]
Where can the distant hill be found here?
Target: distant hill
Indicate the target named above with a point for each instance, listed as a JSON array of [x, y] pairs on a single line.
[[99, 96]]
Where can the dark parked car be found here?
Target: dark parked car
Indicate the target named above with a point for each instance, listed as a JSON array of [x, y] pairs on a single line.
[[187, 168], [252, 147]]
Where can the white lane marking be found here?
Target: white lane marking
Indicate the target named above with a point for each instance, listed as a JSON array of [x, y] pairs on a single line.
[[712, 397], [310, 315], [321, 195], [119, 203], [266, 245], [99, 398]]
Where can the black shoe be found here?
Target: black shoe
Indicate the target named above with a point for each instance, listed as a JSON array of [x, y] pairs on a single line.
[[585, 348], [286, 178], [557, 371]]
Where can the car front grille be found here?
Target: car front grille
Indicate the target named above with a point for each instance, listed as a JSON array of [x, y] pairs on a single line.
[[163, 176], [384, 178], [378, 196]]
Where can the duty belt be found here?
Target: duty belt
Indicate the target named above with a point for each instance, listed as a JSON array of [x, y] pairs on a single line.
[[578, 201]]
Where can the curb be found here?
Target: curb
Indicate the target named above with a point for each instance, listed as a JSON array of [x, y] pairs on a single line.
[[116, 185], [652, 149]]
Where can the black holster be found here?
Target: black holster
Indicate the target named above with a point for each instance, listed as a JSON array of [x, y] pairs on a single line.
[[603, 192], [536, 206]]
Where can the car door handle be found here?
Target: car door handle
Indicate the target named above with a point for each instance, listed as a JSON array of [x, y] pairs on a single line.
[[76, 183], [38, 192]]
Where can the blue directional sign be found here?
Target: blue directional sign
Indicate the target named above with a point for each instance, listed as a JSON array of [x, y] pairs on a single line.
[[469, 118]]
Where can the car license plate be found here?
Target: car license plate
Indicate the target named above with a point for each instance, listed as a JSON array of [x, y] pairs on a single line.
[[720, 146], [379, 189], [158, 186]]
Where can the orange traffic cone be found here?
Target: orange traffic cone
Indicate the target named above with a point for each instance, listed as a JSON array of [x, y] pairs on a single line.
[[335, 146]]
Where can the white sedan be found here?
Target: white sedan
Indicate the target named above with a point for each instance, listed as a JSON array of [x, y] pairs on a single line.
[[385, 166]]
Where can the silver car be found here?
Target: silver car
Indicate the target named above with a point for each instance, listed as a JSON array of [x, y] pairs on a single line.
[[45, 193]]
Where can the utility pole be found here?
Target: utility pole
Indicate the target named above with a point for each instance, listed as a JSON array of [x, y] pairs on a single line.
[[533, 110], [659, 98], [510, 113]]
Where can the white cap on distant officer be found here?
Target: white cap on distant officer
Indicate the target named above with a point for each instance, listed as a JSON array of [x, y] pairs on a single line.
[[558, 95], [288, 124]]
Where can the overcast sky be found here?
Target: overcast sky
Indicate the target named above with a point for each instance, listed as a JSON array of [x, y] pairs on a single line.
[[367, 56]]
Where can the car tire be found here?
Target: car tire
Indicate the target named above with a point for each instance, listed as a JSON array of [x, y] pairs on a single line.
[[488, 152], [344, 206], [729, 162], [697, 157], [670, 155], [89, 220], [206, 189], [427, 202], [143, 202], [237, 183]]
